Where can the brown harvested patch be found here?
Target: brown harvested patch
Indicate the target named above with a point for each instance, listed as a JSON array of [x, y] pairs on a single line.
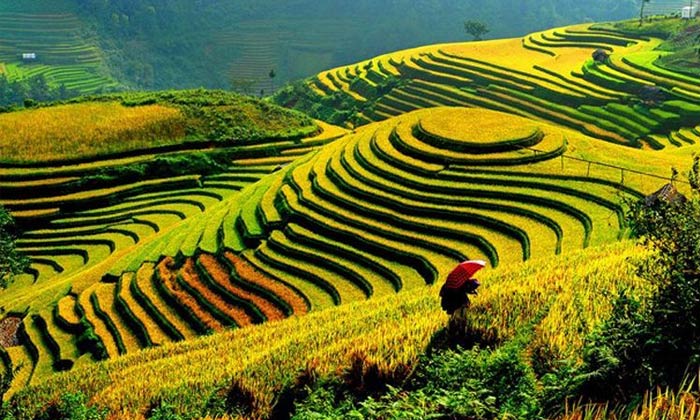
[[168, 277], [247, 273], [8, 331], [221, 276], [190, 275]]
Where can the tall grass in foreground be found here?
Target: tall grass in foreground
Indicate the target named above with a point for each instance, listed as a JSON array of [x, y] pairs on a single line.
[[382, 338], [660, 404]]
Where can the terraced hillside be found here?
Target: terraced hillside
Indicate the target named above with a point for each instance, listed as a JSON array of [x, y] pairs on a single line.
[[252, 369], [290, 228], [80, 216], [549, 76], [64, 54]]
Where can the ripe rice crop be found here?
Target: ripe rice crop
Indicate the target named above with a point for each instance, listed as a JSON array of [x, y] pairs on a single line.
[[87, 129], [192, 279], [251, 275], [167, 276], [223, 278], [389, 333]]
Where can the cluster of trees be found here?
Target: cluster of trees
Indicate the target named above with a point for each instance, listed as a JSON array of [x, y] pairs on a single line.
[[29, 91]]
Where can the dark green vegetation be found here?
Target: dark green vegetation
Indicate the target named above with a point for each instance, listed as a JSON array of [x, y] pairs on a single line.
[[11, 262], [26, 92], [655, 342], [166, 44]]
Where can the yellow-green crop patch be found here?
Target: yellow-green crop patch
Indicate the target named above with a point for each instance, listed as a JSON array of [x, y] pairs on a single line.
[[68, 131], [321, 219], [392, 206], [550, 76], [392, 332]]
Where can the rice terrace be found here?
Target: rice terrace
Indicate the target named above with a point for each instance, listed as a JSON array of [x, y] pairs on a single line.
[[283, 249]]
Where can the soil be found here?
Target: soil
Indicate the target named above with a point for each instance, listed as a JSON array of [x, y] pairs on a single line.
[[8, 331]]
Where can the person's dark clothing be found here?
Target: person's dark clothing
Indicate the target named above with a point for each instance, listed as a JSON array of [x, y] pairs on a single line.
[[452, 299]]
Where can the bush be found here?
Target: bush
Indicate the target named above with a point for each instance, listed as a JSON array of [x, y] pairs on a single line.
[[73, 407], [653, 343], [475, 383], [89, 342], [11, 262]]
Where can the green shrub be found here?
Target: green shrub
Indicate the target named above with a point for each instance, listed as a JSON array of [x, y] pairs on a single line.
[[655, 342], [89, 342], [73, 407], [11, 262], [477, 383], [164, 411]]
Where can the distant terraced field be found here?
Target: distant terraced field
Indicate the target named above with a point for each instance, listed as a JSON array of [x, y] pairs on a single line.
[[63, 54], [298, 225], [549, 76]]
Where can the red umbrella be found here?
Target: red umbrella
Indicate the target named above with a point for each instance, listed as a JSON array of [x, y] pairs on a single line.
[[463, 272]]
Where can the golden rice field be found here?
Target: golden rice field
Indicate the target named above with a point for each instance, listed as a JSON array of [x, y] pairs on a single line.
[[470, 157], [389, 332], [65, 132], [443, 123], [389, 207], [548, 76]]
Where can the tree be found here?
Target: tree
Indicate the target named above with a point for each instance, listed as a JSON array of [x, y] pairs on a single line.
[[11, 262], [476, 28], [641, 12], [272, 76]]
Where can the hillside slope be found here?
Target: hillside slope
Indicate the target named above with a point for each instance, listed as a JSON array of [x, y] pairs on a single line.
[[123, 265], [65, 48], [248, 373], [165, 44], [550, 76], [83, 213], [93, 44]]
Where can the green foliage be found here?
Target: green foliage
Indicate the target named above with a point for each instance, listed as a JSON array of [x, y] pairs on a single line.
[[682, 39], [72, 407], [29, 91], [11, 261], [614, 355], [335, 108], [164, 411], [654, 342], [164, 166], [477, 383], [476, 29], [89, 342]]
